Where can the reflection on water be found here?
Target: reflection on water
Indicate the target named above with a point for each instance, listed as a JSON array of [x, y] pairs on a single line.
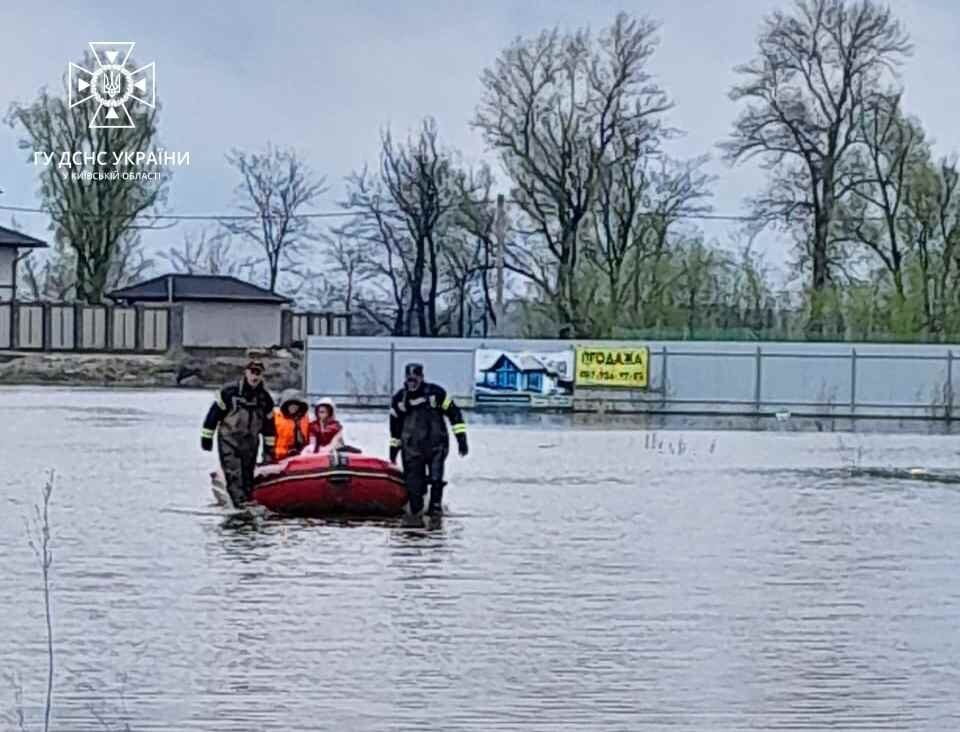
[[584, 578]]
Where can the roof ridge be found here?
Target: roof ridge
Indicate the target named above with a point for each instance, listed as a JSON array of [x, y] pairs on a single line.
[[18, 238], [201, 286]]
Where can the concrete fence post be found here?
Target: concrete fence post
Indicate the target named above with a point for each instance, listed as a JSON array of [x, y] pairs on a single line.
[[758, 376], [77, 327], [286, 328], [664, 383], [15, 325], [138, 328], [109, 339], [7, 308], [948, 397], [46, 327], [174, 327], [853, 380]]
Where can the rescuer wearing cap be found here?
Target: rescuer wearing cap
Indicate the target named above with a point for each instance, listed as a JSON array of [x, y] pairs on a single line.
[[418, 429], [240, 414]]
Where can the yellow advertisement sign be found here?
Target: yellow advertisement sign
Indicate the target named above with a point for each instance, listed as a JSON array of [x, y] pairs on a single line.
[[613, 367]]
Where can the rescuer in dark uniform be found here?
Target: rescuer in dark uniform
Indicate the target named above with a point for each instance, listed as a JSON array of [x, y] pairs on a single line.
[[240, 414], [418, 429]]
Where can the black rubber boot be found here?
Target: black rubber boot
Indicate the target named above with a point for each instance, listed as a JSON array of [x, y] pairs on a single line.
[[436, 498], [415, 502], [413, 510]]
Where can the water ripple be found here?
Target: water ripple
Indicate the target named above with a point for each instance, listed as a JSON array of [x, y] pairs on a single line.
[[581, 581]]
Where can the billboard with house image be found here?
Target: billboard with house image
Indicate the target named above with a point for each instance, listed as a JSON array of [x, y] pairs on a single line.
[[524, 379]]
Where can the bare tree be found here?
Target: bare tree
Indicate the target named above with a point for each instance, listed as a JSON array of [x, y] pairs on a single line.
[[317, 291], [931, 220], [462, 263], [469, 259], [49, 275], [893, 148], [129, 264], [814, 72], [552, 109], [276, 189], [349, 260], [92, 216], [404, 218], [377, 231], [208, 253], [424, 184], [640, 201]]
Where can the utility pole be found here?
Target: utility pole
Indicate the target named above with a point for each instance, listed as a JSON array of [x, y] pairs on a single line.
[[501, 228]]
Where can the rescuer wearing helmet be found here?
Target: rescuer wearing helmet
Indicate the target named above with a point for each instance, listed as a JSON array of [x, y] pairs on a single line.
[[418, 429]]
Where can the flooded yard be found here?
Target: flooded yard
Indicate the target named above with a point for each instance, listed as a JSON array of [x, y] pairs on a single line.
[[585, 578]]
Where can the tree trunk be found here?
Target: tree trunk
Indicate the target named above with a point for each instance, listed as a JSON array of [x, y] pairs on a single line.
[[823, 218], [613, 309], [462, 287], [81, 276], [434, 285], [98, 282]]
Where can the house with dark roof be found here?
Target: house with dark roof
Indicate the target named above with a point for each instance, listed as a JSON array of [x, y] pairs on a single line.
[[520, 372], [523, 379], [515, 372], [11, 242], [218, 311]]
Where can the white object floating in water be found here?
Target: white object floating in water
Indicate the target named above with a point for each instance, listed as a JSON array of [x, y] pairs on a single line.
[[918, 471], [783, 416]]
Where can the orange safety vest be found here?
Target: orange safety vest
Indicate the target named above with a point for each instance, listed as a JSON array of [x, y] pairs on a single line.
[[288, 441]]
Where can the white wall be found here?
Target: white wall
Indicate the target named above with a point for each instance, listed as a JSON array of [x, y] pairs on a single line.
[[7, 256], [230, 325]]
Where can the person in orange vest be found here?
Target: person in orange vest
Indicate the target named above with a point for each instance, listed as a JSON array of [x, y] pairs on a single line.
[[326, 433], [292, 425]]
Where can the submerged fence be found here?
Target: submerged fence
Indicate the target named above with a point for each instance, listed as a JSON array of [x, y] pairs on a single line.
[[805, 379]]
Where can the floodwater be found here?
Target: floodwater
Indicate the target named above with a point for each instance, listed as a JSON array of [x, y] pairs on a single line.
[[585, 579]]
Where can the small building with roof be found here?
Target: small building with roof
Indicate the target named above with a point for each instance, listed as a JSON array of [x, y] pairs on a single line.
[[218, 311], [11, 242]]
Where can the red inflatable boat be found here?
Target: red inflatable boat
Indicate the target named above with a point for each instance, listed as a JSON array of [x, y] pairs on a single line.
[[322, 485]]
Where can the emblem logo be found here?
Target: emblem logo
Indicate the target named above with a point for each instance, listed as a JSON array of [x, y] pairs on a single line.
[[112, 85]]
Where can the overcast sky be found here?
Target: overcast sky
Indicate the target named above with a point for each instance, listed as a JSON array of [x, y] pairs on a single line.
[[325, 79]]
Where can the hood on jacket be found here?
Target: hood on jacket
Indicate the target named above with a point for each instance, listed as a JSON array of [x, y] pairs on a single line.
[[295, 398], [325, 402]]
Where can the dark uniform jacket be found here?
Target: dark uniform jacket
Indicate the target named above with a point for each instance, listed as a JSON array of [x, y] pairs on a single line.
[[417, 421], [241, 414]]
